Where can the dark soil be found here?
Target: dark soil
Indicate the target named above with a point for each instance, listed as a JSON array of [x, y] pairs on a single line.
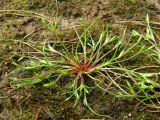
[[50, 104]]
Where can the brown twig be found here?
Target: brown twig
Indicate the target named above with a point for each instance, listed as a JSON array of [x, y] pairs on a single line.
[[37, 114]]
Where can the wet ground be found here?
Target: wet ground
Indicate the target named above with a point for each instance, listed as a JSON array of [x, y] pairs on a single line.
[[48, 104]]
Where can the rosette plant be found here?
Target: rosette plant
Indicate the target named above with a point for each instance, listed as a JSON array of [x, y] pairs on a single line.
[[90, 62]]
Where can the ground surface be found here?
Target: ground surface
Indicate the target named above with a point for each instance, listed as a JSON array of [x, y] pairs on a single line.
[[25, 104]]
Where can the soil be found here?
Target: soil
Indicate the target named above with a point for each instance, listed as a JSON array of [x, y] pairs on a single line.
[[50, 104]]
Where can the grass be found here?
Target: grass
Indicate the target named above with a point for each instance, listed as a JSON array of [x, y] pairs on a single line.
[[145, 85], [95, 63], [133, 1]]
